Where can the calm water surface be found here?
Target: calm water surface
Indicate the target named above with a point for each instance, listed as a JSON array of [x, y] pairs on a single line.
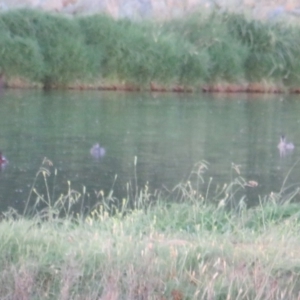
[[168, 133]]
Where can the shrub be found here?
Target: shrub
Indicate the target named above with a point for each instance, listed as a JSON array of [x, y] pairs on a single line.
[[21, 57], [58, 39]]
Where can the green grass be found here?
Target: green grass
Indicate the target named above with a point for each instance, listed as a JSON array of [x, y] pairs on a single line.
[[187, 245], [56, 52], [273, 48], [191, 51]]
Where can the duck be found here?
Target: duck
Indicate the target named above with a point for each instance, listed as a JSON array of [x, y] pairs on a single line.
[[3, 159], [283, 145], [97, 151]]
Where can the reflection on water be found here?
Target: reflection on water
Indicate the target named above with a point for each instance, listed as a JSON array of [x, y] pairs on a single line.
[[168, 133], [3, 161]]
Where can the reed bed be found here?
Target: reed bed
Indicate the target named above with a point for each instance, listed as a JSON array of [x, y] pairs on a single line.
[[217, 50], [189, 243]]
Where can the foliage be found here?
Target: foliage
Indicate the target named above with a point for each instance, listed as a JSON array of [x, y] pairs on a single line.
[[21, 57], [274, 52], [209, 35], [197, 49], [58, 47], [185, 245]]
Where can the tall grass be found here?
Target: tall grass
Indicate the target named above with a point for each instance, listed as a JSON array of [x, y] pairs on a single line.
[[189, 51], [188, 245], [210, 36], [53, 50], [273, 48]]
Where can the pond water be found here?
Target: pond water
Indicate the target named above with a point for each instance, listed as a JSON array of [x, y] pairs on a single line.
[[168, 133]]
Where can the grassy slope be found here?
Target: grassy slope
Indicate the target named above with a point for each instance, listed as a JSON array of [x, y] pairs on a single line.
[[194, 52], [183, 251], [185, 246]]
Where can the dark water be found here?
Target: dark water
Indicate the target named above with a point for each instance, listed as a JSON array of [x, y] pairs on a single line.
[[168, 133]]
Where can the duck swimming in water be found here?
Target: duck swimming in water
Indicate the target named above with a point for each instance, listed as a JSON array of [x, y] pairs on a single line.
[[284, 145], [3, 160], [97, 151]]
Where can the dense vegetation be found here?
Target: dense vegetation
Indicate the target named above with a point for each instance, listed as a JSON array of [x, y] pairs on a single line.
[[179, 251], [188, 244], [195, 52]]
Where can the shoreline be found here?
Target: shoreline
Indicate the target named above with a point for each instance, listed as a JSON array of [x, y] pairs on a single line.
[[256, 88]]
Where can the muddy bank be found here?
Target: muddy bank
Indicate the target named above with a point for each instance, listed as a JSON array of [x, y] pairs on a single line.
[[18, 83]]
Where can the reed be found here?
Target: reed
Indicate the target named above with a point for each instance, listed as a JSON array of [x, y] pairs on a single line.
[[54, 52], [190, 51], [273, 48]]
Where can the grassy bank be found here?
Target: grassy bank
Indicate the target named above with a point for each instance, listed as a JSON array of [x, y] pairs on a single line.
[[188, 245], [218, 51], [179, 251]]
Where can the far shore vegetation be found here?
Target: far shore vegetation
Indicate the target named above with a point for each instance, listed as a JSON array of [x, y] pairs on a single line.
[[218, 51], [188, 243]]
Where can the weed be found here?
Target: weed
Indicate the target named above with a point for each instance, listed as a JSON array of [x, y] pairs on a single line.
[[191, 243]]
